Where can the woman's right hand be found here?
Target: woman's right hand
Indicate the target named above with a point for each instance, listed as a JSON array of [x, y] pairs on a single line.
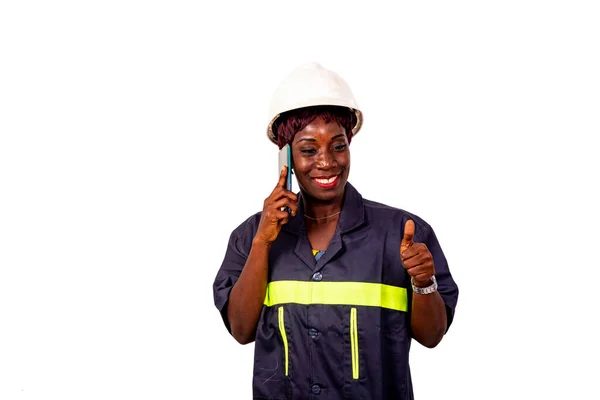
[[272, 217]]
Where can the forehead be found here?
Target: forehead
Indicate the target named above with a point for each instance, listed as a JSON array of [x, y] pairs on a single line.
[[319, 129]]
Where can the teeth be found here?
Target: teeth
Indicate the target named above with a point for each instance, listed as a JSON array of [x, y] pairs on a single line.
[[326, 181]]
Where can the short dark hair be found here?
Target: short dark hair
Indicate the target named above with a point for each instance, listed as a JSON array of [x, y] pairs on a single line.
[[290, 122]]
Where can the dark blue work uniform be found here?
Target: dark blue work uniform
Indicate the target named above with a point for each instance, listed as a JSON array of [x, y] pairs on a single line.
[[336, 327]]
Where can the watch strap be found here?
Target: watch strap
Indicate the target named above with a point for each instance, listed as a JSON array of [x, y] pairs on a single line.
[[425, 290]]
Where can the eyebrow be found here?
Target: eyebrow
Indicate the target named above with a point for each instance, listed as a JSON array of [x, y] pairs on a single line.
[[309, 139]]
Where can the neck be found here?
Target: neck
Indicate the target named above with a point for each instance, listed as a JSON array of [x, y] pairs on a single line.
[[322, 212]]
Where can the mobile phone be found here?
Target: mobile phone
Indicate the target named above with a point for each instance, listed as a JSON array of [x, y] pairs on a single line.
[[285, 158]]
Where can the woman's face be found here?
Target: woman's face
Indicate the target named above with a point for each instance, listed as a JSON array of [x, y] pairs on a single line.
[[321, 160]]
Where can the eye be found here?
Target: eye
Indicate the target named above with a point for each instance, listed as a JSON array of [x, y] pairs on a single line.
[[340, 147], [308, 151]]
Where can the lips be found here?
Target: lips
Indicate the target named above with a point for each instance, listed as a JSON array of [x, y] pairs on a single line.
[[327, 182]]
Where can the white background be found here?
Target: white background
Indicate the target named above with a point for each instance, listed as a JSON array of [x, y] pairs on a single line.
[[133, 141]]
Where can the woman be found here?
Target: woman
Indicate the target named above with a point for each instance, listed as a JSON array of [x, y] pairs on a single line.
[[333, 291]]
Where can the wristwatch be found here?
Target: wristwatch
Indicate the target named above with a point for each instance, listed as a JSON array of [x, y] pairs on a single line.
[[425, 290]]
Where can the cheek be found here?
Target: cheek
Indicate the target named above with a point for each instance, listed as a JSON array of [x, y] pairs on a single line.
[[344, 160], [302, 165]]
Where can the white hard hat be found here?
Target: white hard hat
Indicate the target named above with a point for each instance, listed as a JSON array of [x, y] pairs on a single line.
[[311, 85]]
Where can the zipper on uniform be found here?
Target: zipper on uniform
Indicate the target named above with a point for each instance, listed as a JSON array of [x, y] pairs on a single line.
[[281, 320], [354, 342]]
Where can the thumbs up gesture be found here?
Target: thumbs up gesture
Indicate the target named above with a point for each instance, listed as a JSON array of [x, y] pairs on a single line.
[[416, 257]]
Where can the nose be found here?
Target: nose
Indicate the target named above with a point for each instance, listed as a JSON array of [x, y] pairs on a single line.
[[325, 160]]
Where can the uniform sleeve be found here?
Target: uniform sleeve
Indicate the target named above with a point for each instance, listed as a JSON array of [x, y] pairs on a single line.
[[446, 286], [229, 272]]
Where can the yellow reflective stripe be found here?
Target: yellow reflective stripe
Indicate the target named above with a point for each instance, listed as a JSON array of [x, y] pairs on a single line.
[[339, 293], [354, 342], [284, 337]]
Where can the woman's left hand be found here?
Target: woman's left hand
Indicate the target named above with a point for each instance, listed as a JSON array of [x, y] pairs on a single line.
[[416, 257]]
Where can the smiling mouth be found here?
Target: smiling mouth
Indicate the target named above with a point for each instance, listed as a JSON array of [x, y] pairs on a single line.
[[327, 182]]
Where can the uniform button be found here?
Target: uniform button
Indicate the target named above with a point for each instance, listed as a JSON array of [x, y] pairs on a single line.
[[316, 389], [313, 332], [317, 276]]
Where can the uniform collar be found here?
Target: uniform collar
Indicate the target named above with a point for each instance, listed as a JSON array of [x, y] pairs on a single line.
[[352, 215]]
